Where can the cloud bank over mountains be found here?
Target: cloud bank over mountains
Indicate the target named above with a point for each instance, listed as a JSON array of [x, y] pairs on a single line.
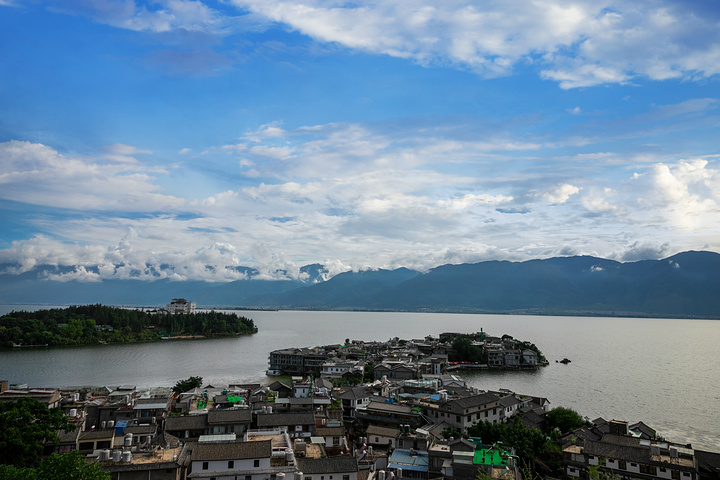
[[182, 139]]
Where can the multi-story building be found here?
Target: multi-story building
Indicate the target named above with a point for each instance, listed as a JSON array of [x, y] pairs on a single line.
[[630, 457], [180, 305]]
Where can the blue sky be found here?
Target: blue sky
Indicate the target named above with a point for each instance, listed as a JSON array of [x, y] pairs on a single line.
[[275, 134]]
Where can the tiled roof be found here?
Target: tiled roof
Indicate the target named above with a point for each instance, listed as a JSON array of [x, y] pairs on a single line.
[[96, 434], [509, 401], [458, 405], [388, 407], [337, 464], [141, 429], [616, 446], [382, 431], [330, 431], [282, 419], [232, 450], [240, 415], [354, 393], [186, 422]]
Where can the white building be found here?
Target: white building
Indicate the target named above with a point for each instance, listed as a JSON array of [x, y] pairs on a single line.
[[180, 305]]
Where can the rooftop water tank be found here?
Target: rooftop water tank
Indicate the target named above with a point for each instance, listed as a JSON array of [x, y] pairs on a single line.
[[73, 412], [128, 439], [116, 455], [104, 455], [111, 424], [127, 457]]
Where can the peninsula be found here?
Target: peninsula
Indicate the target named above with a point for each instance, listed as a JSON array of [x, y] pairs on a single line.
[[100, 324], [356, 361]]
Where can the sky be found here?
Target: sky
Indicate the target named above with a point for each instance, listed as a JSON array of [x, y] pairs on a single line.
[[177, 138]]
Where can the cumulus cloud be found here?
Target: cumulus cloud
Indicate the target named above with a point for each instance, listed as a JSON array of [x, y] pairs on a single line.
[[561, 193], [352, 196], [687, 194]]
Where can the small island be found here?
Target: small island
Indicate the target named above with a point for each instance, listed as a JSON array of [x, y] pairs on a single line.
[[100, 324]]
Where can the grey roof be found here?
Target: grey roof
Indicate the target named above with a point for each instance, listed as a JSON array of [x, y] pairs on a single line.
[[68, 437], [96, 434], [382, 431], [186, 422], [330, 431], [232, 450], [472, 401], [509, 401], [337, 464], [229, 416], [278, 385], [388, 407], [462, 445], [620, 447], [354, 393], [151, 406], [141, 429], [283, 419]]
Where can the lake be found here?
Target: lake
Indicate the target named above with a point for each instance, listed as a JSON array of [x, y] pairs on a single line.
[[661, 371]]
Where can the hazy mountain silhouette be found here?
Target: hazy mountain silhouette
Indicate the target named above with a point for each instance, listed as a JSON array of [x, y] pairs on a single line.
[[685, 285]]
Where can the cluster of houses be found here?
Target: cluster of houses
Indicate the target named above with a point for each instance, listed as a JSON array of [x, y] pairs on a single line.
[[410, 419], [399, 359]]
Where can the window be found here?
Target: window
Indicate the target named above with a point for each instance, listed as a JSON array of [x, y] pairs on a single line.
[[231, 464], [622, 465], [205, 466], [256, 463], [457, 418], [336, 440], [346, 477], [648, 469], [675, 474], [248, 477]]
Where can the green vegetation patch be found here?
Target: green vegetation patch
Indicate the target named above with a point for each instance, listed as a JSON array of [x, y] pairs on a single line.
[[97, 324], [490, 456]]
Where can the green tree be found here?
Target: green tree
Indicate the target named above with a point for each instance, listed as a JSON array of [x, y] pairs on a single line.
[[564, 419], [70, 466], [368, 373], [188, 384], [463, 350], [24, 426]]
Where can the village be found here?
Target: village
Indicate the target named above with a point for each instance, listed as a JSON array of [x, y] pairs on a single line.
[[351, 411]]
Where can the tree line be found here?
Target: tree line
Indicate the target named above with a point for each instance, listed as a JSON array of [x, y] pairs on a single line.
[[92, 324]]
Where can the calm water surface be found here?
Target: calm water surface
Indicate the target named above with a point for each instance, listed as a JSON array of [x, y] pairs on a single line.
[[661, 371]]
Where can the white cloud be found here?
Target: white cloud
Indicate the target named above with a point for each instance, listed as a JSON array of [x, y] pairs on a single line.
[[158, 16], [561, 193], [80, 274], [356, 196], [36, 174], [583, 43]]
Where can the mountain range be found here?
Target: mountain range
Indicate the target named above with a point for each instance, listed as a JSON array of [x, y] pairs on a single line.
[[683, 285]]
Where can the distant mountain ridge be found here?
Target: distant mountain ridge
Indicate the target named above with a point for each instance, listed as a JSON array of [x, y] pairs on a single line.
[[683, 285]]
